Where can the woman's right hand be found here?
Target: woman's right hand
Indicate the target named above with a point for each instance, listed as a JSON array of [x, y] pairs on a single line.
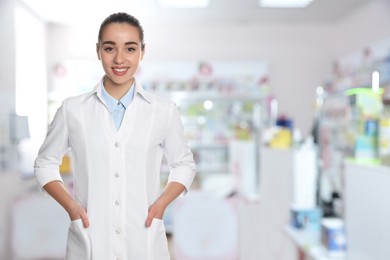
[[57, 190]]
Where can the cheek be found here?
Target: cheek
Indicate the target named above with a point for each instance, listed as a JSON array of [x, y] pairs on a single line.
[[137, 58], [105, 61], [105, 57]]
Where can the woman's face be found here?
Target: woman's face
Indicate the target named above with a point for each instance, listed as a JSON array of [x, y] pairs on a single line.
[[120, 53]]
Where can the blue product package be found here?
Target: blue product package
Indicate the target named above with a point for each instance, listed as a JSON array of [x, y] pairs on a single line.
[[371, 127], [306, 218], [333, 236]]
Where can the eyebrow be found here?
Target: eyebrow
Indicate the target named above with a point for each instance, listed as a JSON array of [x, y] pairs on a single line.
[[113, 43]]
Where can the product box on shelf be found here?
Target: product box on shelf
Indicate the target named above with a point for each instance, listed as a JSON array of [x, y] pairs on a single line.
[[333, 237], [366, 147], [306, 218]]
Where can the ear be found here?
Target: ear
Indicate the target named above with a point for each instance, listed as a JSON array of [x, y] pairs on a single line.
[[97, 50]]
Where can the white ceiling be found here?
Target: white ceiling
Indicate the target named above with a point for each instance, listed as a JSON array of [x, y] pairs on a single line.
[[219, 11]]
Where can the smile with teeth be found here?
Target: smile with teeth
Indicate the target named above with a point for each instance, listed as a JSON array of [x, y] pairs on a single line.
[[119, 70]]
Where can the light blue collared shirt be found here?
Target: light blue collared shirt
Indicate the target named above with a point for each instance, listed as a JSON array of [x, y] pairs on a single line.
[[117, 108]]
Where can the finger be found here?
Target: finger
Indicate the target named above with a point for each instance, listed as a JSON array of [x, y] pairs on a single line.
[[149, 220], [84, 219]]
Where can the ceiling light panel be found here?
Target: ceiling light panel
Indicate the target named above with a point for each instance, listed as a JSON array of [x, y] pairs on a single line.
[[184, 3], [284, 3]]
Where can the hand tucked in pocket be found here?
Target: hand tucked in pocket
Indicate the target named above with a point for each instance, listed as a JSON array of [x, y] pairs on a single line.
[[76, 211]]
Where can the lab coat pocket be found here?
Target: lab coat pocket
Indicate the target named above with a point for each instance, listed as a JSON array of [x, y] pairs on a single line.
[[157, 241], [79, 242]]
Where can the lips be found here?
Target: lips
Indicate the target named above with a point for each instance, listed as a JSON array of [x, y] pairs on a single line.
[[119, 71]]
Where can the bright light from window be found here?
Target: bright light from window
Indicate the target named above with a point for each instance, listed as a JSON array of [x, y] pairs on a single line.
[[184, 3], [284, 3], [30, 87]]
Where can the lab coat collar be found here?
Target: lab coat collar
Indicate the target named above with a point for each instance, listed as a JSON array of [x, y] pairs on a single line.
[[139, 90]]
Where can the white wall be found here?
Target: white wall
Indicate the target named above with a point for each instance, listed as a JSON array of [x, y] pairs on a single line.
[[362, 28]]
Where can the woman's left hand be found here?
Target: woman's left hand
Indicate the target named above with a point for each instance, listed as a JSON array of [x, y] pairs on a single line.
[[155, 211]]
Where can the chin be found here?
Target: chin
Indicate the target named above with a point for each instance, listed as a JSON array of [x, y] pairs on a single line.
[[119, 81]]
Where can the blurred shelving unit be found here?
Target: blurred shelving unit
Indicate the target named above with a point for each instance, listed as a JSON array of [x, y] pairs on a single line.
[[350, 115], [221, 130], [348, 120]]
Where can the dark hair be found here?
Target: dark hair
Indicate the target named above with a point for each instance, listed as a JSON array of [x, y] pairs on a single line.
[[123, 18]]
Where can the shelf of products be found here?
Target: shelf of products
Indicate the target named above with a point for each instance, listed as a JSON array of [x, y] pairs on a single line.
[[352, 120], [212, 123], [219, 129]]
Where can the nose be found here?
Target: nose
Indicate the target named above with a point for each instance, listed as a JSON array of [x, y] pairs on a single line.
[[118, 59]]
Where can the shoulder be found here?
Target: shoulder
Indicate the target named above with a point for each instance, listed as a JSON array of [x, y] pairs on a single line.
[[79, 99], [163, 101], [157, 100]]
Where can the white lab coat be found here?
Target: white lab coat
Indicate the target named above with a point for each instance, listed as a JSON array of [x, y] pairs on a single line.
[[117, 173]]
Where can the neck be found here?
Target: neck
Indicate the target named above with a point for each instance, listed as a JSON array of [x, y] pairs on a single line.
[[117, 91]]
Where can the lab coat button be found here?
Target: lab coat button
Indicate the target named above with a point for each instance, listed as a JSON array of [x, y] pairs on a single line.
[[116, 174], [117, 202], [117, 144], [118, 231]]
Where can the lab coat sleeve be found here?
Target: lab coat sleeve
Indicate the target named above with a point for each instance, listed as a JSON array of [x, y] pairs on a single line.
[[178, 154], [46, 166]]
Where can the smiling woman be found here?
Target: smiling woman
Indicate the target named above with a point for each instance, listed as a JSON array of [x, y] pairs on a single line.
[[118, 134]]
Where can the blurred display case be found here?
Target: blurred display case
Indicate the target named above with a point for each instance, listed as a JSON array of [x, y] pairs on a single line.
[[349, 124], [348, 128], [212, 122]]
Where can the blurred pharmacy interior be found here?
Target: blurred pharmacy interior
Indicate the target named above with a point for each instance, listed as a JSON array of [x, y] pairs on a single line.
[[286, 109]]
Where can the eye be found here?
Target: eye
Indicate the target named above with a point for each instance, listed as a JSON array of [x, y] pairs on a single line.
[[131, 49], [108, 49]]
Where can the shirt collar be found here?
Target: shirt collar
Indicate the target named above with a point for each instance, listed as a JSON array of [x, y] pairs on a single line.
[[111, 102]]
